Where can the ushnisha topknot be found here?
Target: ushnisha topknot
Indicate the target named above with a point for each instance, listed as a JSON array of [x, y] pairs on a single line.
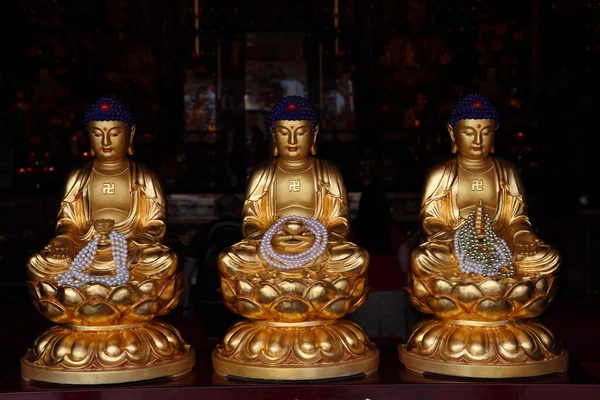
[[293, 108], [108, 109], [473, 106]]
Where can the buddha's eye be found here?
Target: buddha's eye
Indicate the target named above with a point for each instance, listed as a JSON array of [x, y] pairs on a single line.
[[115, 134], [97, 135], [467, 133], [283, 133], [301, 133]]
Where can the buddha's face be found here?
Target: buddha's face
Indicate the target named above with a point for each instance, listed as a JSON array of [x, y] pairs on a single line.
[[109, 139], [293, 139], [474, 138]]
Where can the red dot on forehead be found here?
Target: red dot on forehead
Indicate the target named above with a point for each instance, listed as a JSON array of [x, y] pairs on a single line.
[[105, 107], [292, 126], [291, 107], [477, 104], [479, 125], [105, 128]]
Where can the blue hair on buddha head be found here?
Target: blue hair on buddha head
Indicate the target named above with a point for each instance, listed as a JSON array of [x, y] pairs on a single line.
[[473, 106], [108, 109], [293, 108]]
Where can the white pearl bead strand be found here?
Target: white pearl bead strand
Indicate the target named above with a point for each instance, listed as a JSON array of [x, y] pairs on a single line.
[[487, 258], [83, 260], [294, 261]]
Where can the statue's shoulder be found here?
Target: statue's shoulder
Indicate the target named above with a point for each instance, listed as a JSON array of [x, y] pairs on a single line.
[[76, 181], [439, 179], [329, 168], [148, 182], [260, 179], [509, 173]]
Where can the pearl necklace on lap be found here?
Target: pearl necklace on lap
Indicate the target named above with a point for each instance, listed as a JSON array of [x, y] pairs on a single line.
[[294, 261], [83, 260], [485, 258]]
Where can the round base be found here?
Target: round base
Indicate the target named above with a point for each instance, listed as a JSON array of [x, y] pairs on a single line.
[[312, 350], [177, 367], [93, 355], [321, 371], [467, 370], [483, 349]]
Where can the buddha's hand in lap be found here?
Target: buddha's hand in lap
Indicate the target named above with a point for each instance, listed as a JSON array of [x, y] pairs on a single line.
[[59, 248], [292, 244], [525, 244]]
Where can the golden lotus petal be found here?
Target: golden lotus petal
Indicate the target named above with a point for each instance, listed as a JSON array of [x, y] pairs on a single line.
[[467, 292], [227, 290], [167, 292], [250, 309], [292, 309], [457, 341], [47, 289], [95, 291], [123, 297], [148, 287], [244, 286], [147, 309], [445, 307], [69, 296], [278, 346], [54, 312], [319, 293], [291, 286], [492, 287], [541, 285], [336, 308], [440, 286], [521, 293], [266, 293], [341, 285], [418, 304], [259, 341], [360, 288], [418, 289], [534, 308], [32, 292], [493, 310], [97, 313]]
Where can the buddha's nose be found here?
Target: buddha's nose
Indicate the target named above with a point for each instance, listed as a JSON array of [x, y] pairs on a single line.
[[292, 139]]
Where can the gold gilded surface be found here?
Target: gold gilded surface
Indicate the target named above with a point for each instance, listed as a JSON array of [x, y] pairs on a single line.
[[287, 307], [107, 334], [481, 326]]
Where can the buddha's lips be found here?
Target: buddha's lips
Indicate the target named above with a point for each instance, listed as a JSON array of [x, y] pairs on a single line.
[[292, 148], [478, 148], [106, 150]]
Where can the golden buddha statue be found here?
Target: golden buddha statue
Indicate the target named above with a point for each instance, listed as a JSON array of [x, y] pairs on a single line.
[[481, 270], [294, 275], [106, 274]]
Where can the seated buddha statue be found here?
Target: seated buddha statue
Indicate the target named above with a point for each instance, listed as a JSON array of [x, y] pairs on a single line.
[[293, 201], [480, 269], [107, 267], [456, 188]]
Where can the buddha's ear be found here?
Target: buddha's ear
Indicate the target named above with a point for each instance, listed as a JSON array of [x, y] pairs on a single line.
[[132, 133], [450, 131], [131, 149], [313, 147]]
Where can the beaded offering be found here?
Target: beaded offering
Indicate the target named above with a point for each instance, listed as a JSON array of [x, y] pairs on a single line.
[[294, 261], [483, 254], [76, 276]]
